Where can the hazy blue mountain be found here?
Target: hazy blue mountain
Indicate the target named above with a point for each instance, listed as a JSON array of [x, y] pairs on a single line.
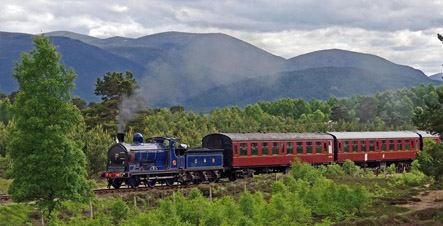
[[343, 58], [88, 61], [84, 38], [438, 77], [319, 83], [179, 65], [212, 70]]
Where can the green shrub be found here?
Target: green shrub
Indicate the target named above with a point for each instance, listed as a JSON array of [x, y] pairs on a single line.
[[15, 214], [350, 168], [392, 169], [370, 174], [304, 171], [119, 210], [410, 179], [334, 169]]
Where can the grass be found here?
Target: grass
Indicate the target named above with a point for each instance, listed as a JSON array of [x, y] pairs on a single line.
[[4, 185]]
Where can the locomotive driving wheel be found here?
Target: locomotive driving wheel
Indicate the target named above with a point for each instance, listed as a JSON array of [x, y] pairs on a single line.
[[170, 182], [116, 183], [134, 181], [151, 183]]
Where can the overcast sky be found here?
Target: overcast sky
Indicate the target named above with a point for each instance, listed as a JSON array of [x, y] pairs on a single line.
[[402, 31]]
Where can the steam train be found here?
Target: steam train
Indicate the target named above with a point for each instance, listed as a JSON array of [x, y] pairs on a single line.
[[237, 155]]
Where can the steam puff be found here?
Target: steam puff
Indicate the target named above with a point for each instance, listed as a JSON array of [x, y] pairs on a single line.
[[129, 106]]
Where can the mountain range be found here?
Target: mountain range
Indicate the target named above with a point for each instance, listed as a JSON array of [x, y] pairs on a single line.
[[205, 71]]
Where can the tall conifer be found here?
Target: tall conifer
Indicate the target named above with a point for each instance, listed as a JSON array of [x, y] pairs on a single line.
[[48, 163]]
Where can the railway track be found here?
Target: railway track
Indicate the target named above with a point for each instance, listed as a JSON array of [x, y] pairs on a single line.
[[104, 191], [5, 198], [101, 191]]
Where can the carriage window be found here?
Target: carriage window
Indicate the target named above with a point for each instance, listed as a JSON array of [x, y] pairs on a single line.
[[236, 149], [289, 148], [371, 146], [339, 147], [363, 146], [399, 145], [354, 146], [308, 147], [264, 149], [299, 148], [254, 149], [317, 147], [275, 146], [407, 145], [391, 145], [346, 146], [243, 149], [383, 145]]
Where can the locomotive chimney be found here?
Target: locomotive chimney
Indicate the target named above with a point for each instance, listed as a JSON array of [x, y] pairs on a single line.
[[121, 137]]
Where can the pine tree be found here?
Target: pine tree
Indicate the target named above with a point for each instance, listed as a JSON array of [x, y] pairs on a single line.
[[48, 163]]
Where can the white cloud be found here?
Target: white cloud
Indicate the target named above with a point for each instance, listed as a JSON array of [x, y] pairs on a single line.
[[118, 8]]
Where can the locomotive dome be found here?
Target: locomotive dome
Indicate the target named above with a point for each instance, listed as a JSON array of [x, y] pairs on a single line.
[[137, 138]]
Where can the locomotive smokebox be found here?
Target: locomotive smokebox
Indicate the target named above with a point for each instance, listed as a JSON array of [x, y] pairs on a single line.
[[121, 137]]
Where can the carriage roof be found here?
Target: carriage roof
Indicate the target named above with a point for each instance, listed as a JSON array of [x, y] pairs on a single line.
[[276, 136], [375, 135]]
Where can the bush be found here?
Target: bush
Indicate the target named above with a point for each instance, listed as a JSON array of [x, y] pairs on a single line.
[[15, 214], [370, 174], [334, 169], [392, 169], [304, 171], [350, 168], [119, 210]]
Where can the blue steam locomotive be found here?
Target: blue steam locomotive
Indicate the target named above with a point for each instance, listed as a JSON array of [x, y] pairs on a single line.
[[160, 160]]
